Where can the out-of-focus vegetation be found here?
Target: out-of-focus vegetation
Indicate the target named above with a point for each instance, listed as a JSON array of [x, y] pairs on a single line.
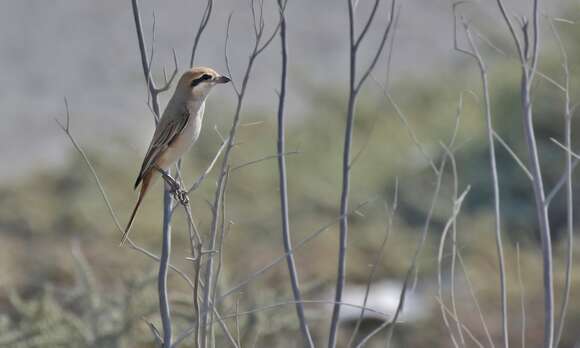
[[56, 294]]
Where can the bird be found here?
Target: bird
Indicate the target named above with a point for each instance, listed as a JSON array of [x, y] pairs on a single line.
[[177, 130]]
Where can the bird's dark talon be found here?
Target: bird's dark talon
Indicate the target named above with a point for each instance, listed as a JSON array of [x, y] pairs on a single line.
[[183, 197]]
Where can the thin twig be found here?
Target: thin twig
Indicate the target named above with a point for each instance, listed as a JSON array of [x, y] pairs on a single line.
[[155, 332], [473, 338], [262, 159], [457, 201], [407, 126], [475, 301], [513, 154], [563, 180], [202, 25]]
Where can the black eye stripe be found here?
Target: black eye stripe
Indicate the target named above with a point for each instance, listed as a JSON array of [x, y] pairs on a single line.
[[200, 79]]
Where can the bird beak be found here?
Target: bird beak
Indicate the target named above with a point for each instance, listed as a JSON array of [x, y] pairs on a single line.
[[223, 79]]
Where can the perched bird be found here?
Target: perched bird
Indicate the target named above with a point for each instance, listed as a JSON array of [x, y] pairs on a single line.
[[176, 131]]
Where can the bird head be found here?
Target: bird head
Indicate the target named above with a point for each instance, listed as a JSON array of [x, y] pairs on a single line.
[[198, 82]]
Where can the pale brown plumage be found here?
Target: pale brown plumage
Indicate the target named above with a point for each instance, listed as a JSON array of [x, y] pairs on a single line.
[[177, 129]]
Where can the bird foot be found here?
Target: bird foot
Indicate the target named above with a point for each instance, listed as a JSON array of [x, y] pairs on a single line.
[[181, 196], [175, 188]]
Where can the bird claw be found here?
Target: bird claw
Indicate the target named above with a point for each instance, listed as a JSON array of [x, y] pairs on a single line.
[[175, 188], [178, 193], [181, 196]]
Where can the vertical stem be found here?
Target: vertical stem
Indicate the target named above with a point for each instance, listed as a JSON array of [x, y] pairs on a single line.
[[495, 181], [340, 279], [167, 200], [497, 210], [208, 279], [541, 210], [354, 88], [283, 184], [164, 309], [529, 65], [343, 238], [570, 228], [569, 192], [143, 53], [210, 271]]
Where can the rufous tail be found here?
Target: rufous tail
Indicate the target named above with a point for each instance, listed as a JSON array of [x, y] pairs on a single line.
[[144, 188]]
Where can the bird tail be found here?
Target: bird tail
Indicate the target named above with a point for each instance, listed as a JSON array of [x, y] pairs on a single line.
[[144, 188]]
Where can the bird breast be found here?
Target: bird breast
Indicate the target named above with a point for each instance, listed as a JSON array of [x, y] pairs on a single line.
[[185, 140], [192, 129]]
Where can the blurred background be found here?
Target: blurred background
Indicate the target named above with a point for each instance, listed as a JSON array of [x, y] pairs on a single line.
[[64, 282]]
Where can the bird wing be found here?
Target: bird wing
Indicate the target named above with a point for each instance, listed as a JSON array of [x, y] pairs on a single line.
[[165, 133]]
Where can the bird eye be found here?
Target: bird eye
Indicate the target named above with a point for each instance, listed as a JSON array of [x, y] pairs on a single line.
[[199, 80]]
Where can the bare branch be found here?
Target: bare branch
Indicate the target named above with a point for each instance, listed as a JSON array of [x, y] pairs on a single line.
[[452, 223], [281, 258], [408, 127], [421, 242], [262, 159], [269, 266], [202, 25], [564, 177], [569, 191], [164, 306], [475, 301], [551, 81], [515, 37], [386, 316], [169, 82], [167, 198], [143, 51], [226, 55], [283, 183], [368, 23], [379, 50], [412, 267], [513, 154], [536, 33], [475, 53], [268, 40], [473, 338], [155, 332], [529, 65], [210, 268]]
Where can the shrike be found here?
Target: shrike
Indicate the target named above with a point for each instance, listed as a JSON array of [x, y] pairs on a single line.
[[177, 130]]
